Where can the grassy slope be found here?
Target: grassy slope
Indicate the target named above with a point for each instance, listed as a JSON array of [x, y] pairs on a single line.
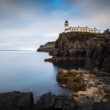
[[49, 46]]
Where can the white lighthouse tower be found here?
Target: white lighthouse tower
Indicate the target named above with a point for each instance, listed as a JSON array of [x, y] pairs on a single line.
[[66, 24]]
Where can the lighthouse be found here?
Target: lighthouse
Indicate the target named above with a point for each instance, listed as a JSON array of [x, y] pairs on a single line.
[[79, 29], [66, 25]]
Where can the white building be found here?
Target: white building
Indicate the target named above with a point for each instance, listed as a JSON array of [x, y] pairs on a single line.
[[79, 29]]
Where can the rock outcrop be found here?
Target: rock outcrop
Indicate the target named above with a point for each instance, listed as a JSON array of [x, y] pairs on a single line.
[[50, 101], [24, 101], [72, 79], [16, 101], [95, 86]]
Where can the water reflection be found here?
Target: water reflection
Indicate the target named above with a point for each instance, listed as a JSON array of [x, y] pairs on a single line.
[[68, 65]]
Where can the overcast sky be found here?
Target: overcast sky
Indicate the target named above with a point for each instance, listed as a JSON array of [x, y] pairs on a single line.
[[30, 23]]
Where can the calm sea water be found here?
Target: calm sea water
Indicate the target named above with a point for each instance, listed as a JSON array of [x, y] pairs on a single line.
[[26, 71]]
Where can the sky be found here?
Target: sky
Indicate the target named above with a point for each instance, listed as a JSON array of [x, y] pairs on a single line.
[[26, 24]]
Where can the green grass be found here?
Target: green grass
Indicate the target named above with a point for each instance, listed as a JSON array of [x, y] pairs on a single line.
[[49, 46]]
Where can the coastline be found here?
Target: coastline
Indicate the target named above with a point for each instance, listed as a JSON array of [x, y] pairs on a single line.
[[78, 101], [97, 84], [59, 59]]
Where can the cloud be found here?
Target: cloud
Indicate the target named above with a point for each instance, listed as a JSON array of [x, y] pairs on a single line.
[[27, 23]]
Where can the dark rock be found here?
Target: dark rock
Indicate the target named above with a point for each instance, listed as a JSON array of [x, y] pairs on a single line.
[[107, 89], [52, 102], [45, 102], [86, 103], [24, 101], [107, 32], [16, 101], [68, 103], [59, 103], [97, 54], [101, 106], [59, 59]]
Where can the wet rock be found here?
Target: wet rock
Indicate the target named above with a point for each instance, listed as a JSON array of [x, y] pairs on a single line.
[[45, 102], [52, 102], [101, 106], [59, 103], [86, 103], [24, 101], [16, 101]]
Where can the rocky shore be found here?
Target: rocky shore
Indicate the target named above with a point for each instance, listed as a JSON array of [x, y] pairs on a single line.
[[72, 79], [24, 101], [16, 101], [94, 85], [50, 101], [59, 59]]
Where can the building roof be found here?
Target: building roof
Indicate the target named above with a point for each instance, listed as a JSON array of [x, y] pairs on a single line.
[[79, 27], [66, 21]]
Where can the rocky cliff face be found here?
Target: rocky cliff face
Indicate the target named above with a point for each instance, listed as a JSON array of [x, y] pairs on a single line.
[[71, 45], [98, 53], [94, 48]]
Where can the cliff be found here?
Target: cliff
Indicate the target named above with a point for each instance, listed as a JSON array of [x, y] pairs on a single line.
[[94, 48], [98, 53], [71, 44]]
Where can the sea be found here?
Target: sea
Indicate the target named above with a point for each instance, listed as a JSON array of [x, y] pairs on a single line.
[[26, 71]]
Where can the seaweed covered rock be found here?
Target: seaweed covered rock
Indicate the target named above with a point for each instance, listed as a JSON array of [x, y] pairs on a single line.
[[71, 79]]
